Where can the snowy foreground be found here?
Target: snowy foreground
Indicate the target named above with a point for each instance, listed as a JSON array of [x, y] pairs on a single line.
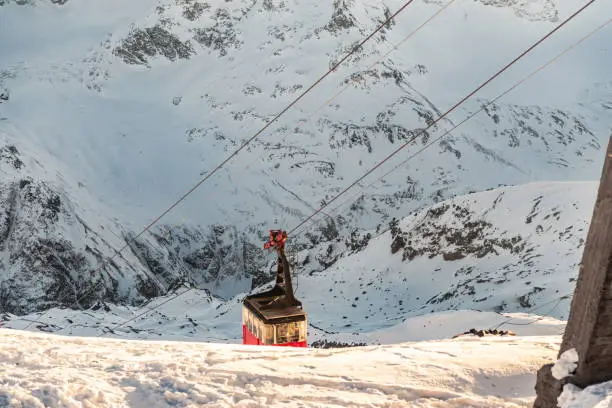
[[41, 370]]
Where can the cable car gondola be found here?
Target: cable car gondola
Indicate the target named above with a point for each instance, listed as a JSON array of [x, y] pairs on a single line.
[[275, 317]]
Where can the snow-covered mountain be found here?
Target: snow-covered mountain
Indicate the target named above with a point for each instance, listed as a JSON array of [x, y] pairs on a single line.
[[510, 254], [111, 111], [509, 249], [50, 243]]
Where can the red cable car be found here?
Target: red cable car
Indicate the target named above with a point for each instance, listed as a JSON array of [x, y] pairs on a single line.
[[275, 317]]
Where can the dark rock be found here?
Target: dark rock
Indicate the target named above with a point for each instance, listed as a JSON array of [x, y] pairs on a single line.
[[356, 242], [326, 344], [142, 44], [547, 388], [10, 155], [193, 10], [398, 243], [452, 256], [221, 36], [342, 18]]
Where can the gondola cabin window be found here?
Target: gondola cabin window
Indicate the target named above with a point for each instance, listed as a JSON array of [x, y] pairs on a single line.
[[268, 334], [257, 331], [291, 332]]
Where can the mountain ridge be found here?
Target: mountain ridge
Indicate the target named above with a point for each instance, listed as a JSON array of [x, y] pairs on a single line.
[[114, 140]]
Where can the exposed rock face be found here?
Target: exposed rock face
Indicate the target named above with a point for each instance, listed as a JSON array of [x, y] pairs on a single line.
[[31, 2], [469, 237], [221, 36], [142, 44], [4, 95], [221, 258], [193, 10], [342, 18], [547, 388], [10, 155], [40, 266], [545, 10], [52, 257]]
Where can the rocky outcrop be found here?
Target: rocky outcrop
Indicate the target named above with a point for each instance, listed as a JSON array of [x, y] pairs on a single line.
[[53, 258], [219, 258], [221, 36], [145, 43]]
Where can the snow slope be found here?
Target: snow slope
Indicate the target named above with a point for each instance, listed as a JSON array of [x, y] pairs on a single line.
[[594, 396], [192, 318], [126, 106], [509, 249], [41, 370], [53, 237]]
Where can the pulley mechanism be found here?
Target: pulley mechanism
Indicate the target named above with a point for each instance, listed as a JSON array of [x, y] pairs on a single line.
[[277, 240]]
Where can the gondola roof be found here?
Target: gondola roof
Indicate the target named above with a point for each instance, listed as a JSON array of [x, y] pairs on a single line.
[[273, 306]]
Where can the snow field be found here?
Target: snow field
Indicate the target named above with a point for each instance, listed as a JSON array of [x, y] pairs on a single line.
[[40, 370]]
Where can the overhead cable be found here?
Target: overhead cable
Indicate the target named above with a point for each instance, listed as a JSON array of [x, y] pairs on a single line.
[[433, 123]]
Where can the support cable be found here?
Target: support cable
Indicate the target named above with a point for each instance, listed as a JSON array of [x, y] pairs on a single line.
[[557, 57], [483, 107], [455, 106], [237, 151]]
